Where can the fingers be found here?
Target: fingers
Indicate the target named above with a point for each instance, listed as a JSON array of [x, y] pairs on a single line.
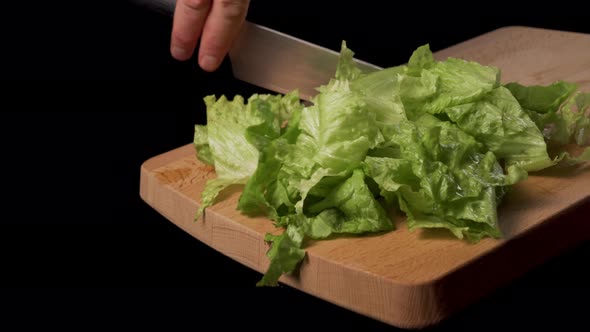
[[189, 18], [221, 28]]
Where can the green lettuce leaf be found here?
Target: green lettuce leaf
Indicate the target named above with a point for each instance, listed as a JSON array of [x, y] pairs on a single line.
[[380, 92], [335, 135], [346, 69], [441, 177], [558, 110], [254, 199], [420, 59], [498, 121], [542, 99], [235, 133], [285, 254], [442, 141], [349, 208], [264, 193], [431, 87], [201, 142]]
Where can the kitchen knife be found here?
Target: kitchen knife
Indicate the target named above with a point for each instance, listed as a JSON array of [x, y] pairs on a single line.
[[274, 60]]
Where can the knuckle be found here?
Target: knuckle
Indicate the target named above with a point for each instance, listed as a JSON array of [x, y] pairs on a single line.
[[182, 38], [213, 45], [234, 9], [197, 5]]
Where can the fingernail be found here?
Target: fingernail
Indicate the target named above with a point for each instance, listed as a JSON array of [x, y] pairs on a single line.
[[180, 53], [208, 62]]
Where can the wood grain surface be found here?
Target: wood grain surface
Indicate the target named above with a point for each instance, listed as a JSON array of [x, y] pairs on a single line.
[[410, 279]]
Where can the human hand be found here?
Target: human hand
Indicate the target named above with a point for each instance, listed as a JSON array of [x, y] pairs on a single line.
[[215, 22]]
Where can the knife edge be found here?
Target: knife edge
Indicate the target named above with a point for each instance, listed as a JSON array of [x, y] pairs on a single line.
[[282, 63]]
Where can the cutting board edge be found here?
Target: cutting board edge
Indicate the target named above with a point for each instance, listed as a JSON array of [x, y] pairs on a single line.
[[492, 34], [513, 257], [428, 298], [423, 312]]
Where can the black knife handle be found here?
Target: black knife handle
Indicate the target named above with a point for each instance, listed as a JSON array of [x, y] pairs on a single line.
[[162, 6]]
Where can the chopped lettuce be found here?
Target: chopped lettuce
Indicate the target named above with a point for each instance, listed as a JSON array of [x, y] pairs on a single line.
[[498, 121], [441, 177], [235, 132], [442, 141], [558, 110]]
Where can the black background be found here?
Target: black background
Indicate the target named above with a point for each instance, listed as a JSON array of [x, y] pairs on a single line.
[[90, 92]]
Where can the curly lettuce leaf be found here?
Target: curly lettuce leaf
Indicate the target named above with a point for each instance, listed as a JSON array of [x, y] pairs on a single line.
[[201, 142], [559, 111], [441, 177], [285, 254], [431, 86], [335, 135], [349, 208], [542, 99], [235, 133], [498, 121]]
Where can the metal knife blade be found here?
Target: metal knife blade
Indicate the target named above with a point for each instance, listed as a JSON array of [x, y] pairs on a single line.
[[276, 61], [282, 63]]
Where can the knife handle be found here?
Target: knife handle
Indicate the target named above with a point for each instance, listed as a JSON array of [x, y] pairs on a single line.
[[161, 6]]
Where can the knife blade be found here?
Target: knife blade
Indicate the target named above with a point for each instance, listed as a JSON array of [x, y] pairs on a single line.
[[274, 60], [282, 63]]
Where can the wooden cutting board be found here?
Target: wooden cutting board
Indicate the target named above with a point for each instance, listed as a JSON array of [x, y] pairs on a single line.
[[410, 279]]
